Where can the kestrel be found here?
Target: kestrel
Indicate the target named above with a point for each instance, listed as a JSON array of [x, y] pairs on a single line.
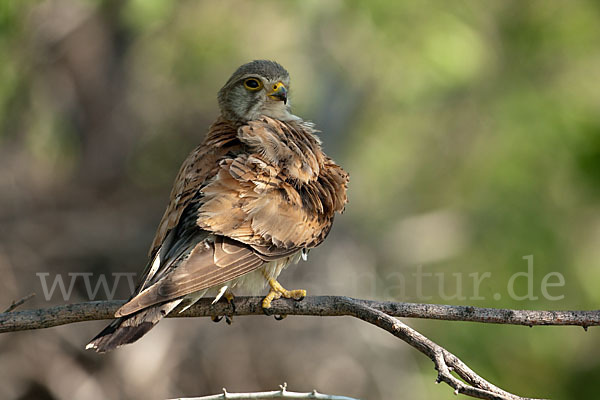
[[254, 197]]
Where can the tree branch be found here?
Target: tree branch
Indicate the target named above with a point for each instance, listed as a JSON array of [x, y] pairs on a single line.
[[283, 393], [380, 314], [444, 361], [324, 306], [17, 303]]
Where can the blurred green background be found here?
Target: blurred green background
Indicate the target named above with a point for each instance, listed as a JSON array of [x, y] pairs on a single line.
[[471, 131]]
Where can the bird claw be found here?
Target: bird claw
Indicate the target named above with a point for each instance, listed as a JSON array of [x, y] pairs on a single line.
[[267, 311], [228, 317], [232, 304], [277, 291]]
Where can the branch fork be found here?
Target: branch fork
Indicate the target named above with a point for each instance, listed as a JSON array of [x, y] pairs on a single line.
[[381, 314]]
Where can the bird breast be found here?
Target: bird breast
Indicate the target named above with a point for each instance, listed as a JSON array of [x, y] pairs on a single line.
[[292, 146]]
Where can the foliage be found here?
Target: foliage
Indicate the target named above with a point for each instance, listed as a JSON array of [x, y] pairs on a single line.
[[471, 132]]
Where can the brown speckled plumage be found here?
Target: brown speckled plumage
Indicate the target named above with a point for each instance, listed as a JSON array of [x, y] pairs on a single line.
[[253, 195]]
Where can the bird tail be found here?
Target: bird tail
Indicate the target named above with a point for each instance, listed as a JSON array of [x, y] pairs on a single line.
[[130, 328]]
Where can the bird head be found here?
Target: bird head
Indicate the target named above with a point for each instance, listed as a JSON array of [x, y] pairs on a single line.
[[257, 88]]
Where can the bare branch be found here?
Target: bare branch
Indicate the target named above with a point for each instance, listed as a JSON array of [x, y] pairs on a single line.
[[324, 306], [283, 393], [444, 361], [17, 303], [380, 314]]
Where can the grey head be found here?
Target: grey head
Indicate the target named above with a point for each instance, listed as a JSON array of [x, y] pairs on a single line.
[[257, 88]]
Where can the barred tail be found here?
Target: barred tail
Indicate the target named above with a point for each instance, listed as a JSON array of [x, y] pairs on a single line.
[[130, 328]]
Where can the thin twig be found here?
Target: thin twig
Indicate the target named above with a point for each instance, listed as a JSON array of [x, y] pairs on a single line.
[[313, 305], [17, 303], [283, 393], [444, 361]]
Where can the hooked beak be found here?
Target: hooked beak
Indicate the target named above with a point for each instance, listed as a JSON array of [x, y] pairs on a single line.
[[279, 92]]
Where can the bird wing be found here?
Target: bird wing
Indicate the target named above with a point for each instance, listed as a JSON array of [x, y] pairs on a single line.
[[198, 167], [261, 192], [279, 195]]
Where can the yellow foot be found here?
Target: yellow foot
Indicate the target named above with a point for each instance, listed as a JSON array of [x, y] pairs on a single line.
[[278, 291], [229, 296]]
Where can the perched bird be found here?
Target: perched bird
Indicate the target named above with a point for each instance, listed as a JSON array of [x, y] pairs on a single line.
[[254, 197]]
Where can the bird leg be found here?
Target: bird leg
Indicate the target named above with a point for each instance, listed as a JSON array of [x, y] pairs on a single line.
[[277, 291], [229, 296], [228, 317]]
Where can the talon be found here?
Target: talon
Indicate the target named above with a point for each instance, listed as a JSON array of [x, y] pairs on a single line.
[[273, 295], [267, 311], [229, 296], [278, 291]]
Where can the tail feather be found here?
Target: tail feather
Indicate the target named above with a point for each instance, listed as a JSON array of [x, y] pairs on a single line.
[[130, 328]]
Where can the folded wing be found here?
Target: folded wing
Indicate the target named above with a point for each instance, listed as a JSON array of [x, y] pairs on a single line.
[[261, 192]]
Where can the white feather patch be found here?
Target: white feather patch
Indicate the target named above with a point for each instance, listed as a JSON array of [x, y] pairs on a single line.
[[191, 299], [221, 293], [154, 268]]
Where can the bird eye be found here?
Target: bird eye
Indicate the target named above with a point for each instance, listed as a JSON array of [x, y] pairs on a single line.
[[252, 84]]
